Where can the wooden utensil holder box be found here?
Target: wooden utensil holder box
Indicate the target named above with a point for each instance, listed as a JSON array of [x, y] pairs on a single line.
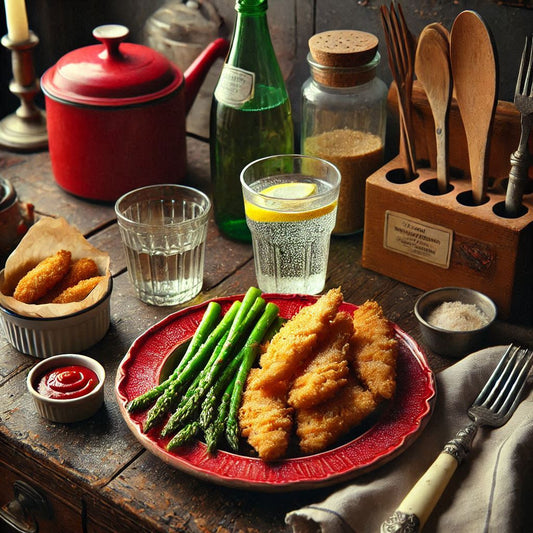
[[430, 240]]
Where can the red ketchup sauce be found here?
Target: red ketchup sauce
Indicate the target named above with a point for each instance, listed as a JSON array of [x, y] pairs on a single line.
[[67, 382]]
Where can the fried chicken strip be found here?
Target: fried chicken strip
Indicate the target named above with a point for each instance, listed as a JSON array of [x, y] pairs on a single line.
[[78, 292], [321, 426], [375, 350], [42, 278], [79, 270], [328, 370], [292, 346], [265, 420]]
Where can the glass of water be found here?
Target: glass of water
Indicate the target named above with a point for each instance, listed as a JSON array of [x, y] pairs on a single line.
[[290, 203], [163, 230]]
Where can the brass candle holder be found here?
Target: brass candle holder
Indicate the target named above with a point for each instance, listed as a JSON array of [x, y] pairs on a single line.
[[26, 128]]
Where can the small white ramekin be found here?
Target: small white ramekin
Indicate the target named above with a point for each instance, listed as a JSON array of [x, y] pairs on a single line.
[[44, 337], [72, 409]]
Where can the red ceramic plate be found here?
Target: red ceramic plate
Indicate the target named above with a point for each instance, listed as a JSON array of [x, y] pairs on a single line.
[[393, 430]]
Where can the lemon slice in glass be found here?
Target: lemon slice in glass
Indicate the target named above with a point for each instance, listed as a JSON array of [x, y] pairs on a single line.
[[279, 211], [291, 191]]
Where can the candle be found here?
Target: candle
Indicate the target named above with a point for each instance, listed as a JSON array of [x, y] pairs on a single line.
[[17, 20]]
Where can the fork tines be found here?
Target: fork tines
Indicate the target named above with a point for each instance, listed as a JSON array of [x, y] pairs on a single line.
[[524, 82], [503, 390]]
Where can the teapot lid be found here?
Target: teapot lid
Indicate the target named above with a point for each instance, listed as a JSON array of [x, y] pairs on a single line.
[[113, 73]]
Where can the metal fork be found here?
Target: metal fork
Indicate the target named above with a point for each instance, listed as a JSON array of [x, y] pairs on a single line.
[[521, 159], [493, 407]]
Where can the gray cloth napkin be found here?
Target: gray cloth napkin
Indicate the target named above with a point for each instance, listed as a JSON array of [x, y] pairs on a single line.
[[491, 491]]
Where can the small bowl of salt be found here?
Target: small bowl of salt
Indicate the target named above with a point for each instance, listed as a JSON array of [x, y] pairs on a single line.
[[454, 321]]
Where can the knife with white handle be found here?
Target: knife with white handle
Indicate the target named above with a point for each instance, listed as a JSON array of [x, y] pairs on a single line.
[[493, 407], [411, 515]]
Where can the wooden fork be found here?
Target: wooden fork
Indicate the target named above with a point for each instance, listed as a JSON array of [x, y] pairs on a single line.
[[401, 48]]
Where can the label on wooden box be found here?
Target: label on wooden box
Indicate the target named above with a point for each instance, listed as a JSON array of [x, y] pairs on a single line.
[[418, 239]]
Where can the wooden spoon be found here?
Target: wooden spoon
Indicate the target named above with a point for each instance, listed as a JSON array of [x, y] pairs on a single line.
[[475, 75], [432, 68]]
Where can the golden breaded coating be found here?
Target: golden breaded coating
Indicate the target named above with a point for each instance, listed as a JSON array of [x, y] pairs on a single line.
[[321, 426], [323, 373], [264, 420], [292, 346], [78, 292], [42, 278], [79, 270], [328, 370], [375, 350]]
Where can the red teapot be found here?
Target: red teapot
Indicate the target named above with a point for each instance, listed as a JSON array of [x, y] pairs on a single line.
[[116, 115]]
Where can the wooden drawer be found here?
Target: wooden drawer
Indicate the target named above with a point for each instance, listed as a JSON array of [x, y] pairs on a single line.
[[47, 513]]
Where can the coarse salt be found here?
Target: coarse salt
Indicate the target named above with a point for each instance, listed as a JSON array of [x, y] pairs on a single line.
[[458, 316]]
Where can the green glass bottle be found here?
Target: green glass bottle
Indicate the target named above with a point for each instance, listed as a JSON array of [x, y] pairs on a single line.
[[250, 114]]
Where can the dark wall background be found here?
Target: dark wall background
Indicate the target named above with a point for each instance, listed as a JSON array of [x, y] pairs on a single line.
[[63, 25]]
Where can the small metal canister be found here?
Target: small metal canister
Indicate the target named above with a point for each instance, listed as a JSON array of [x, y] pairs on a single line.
[[344, 115], [15, 218], [180, 30]]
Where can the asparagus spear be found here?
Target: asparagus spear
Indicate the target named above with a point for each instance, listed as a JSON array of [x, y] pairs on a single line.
[[190, 370], [238, 329], [175, 420], [210, 403], [184, 435], [251, 350], [215, 429], [205, 327]]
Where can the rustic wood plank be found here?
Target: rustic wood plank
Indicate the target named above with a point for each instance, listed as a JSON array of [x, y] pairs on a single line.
[[188, 502], [11, 361]]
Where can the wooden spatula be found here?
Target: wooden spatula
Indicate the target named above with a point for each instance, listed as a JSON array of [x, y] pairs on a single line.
[[432, 68], [475, 76]]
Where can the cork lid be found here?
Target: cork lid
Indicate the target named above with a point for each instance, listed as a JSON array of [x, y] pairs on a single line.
[[343, 48]]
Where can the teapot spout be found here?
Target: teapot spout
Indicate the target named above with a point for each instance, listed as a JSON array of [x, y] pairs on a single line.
[[197, 71]]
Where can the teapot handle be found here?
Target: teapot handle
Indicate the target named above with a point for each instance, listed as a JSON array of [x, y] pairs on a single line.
[[197, 71]]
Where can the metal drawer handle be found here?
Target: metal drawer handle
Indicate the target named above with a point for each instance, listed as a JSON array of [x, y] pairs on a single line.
[[20, 513]]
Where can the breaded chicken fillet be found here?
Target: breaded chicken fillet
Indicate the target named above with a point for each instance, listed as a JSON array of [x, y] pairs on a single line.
[[321, 426], [293, 345], [328, 370], [375, 350], [265, 420]]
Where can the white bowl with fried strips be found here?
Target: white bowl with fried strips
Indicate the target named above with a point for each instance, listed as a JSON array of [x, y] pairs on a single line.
[[44, 337]]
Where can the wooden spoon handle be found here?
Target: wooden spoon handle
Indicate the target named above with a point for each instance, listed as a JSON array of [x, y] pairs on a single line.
[[441, 137], [475, 74]]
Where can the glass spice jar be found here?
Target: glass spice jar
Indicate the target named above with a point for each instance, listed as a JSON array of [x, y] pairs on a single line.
[[344, 115]]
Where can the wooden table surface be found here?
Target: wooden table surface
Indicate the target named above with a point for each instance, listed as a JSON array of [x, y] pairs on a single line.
[[121, 486]]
